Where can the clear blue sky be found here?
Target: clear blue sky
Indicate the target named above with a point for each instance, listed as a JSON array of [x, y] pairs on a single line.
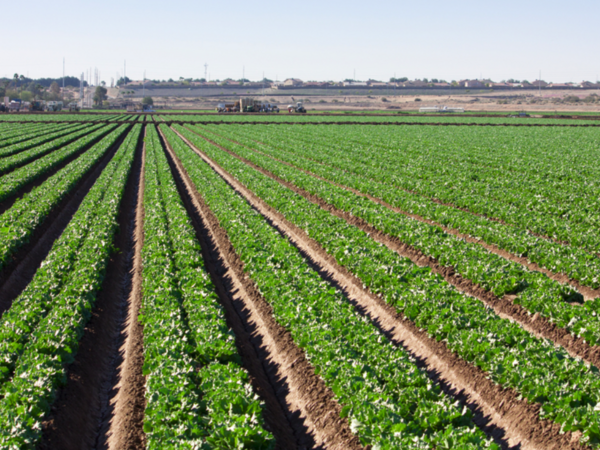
[[311, 40]]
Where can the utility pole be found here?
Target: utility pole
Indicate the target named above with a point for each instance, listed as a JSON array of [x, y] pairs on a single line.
[[144, 86], [205, 72], [81, 90], [540, 83], [63, 75]]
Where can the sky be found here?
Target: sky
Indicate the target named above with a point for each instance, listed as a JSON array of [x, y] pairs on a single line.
[[310, 40]]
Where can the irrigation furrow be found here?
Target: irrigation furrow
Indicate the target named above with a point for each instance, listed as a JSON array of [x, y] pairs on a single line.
[[308, 404], [507, 415], [121, 424]]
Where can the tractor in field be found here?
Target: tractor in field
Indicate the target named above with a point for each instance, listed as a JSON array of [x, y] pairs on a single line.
[[298, 108]]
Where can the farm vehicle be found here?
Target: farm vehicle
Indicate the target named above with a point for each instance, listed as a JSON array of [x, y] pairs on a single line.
[[247, 105], [298, 108], [54, 106]]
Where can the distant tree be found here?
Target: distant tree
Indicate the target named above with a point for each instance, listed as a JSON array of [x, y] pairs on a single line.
[[55, 88], [170, 80], [148, 101], [103, 83], [425, 80], [123, 81], [16, 78], [26, 96], [434, 80], [100, 95]]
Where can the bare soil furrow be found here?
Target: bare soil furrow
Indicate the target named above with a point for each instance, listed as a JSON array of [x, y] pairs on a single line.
[[500, 410], [74, 420], [16, 275], [121, 423], [308, 405]]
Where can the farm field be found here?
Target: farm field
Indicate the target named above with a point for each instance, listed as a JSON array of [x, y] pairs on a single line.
[[171, 282]]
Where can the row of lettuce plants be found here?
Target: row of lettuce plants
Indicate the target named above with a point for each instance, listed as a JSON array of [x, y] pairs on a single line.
[[52, 118], [16, 160], [566, 389], [415, 167], [15, 180], [388, 400], [20, 221], [197, 393], [574, 262], [41, 331], [551, 163], [558, 302], [13, 134], [36, 142]]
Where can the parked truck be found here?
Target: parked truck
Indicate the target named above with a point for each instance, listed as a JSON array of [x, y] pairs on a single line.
[[247, 105], [54, 106]]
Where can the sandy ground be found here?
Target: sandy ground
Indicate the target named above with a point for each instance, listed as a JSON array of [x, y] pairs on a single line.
[[492, 101]]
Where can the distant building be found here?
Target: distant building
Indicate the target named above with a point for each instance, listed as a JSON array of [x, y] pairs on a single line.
[[355, 84], [293, 82], [474, 84]]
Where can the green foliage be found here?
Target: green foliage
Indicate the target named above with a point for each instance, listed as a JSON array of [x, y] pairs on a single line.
[[387, 399], [567, 390], [189, 350], [41, 330]]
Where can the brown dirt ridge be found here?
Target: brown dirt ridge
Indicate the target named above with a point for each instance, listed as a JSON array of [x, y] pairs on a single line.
[[514, 421], [309, 406], [121, 424]]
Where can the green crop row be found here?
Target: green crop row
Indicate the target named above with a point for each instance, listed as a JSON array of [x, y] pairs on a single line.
[[575, 263], [36, 141], [477, 173], [535, 291], [50, 118], [197, 394], [41, 330], [19, 133], [388, 401], [18, 223], [61, 139], [15, 180], [567, 389]]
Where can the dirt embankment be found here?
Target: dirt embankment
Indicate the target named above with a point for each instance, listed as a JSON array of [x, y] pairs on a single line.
[[76, 416], [500, 411], [301, 410]]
